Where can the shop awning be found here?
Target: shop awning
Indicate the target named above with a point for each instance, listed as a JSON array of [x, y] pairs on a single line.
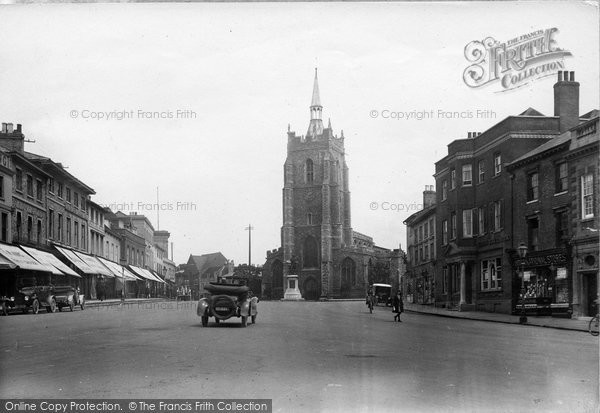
[[94, 264], [118, 270], [145, 274], [153, 275], [48, 259], [23, 260], [75, 260], [6, 264]]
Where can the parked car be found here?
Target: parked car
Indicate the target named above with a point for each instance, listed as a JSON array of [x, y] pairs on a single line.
[[225, 301], [68, 296], [25, 293]]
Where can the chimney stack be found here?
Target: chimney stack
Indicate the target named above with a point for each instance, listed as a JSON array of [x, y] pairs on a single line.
[[566, 100], [12, 139], [428, 196]]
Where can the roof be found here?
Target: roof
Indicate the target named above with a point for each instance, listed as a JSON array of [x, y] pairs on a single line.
[[206, 261], [43, 160], [531, 112], [553, 143], [422, 213]]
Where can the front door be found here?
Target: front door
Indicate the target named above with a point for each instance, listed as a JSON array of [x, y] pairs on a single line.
[[590, 285], [311, 289]]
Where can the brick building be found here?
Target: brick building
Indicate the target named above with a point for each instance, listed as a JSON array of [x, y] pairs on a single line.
[[557, 221], [318, 242], [419, 281], [476, 222], [6, 191]]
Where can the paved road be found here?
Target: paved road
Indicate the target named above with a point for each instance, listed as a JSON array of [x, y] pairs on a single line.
[[307, 357]]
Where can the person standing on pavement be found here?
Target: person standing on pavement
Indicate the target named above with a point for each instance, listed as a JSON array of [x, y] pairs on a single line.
[[397, 306]]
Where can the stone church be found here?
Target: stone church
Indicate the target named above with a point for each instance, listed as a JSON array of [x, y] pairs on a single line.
[[317, 240]]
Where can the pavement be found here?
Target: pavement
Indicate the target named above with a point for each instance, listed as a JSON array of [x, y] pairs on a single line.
[[575, 324]]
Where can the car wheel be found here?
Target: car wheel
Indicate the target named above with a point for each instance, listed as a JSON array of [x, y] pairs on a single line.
[[52, 308], [244, 321], [204, 321], [35, 307], [254, 319]]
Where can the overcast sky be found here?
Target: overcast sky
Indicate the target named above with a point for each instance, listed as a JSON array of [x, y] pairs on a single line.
[[246, 70]]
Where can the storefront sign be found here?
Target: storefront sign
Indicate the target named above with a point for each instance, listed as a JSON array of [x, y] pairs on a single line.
[[543, 260]]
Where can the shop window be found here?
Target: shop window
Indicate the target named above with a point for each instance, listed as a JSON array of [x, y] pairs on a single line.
[[491, 274]]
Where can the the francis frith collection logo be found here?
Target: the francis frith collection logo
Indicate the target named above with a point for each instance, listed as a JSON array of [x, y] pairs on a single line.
[[513, 63]]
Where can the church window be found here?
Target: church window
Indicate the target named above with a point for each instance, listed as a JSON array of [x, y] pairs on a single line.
[[348, 273], [309, 171], [311, 253]]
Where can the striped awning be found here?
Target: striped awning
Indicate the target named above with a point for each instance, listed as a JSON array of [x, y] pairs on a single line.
[[23, 260], [50, 260]]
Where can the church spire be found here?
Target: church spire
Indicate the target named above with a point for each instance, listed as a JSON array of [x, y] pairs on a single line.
[[315, 128], [316, 99]]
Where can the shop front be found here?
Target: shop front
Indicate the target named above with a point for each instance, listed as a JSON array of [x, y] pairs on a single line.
[[546, 284]]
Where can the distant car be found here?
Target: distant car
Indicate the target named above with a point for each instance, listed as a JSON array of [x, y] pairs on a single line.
[[225, 301], [383, 294]]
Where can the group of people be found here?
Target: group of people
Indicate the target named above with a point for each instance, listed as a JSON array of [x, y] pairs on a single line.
[[397, 304]]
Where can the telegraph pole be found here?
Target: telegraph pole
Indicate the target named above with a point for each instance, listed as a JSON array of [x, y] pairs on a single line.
[[249, 228]]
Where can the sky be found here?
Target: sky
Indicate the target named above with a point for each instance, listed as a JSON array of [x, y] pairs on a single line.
[[191, 102]]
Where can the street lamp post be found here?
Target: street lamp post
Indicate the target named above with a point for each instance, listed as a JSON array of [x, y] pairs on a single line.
[[522, 251]]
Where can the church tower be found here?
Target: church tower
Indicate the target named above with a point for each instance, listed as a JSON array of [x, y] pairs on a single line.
[[316, 203]]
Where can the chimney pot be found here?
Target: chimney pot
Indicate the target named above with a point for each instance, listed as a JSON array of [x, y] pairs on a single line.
[[9, 127], [566, 76], [572, 76], [560, 75], [3, 127], [19, 127], [469, 135]]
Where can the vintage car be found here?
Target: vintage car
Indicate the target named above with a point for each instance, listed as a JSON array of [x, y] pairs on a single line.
[[68, 296], [383, 294], [224, 301], [27, 292], [26, 298]]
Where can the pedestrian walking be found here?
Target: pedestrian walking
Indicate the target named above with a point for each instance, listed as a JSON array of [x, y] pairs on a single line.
[[397, 306]]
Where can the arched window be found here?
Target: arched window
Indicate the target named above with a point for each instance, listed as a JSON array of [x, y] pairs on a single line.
[[348, 274], [309, 171], [311, 253]]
